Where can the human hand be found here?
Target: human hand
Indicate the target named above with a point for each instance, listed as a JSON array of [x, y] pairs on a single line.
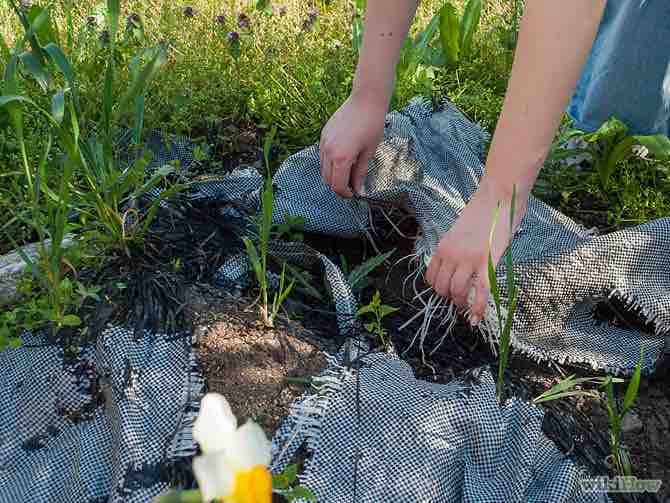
[[460, 261], [348, 141]]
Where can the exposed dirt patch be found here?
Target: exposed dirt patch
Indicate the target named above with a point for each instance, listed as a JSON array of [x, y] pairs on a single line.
[[250, 364]]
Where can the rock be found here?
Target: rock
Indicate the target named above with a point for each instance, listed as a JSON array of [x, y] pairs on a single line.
[[12, 266], [631, 423]]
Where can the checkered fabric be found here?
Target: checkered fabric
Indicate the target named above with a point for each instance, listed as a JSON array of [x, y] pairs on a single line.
[[432, 162], [376, 433], [104, 425], [108, 423]]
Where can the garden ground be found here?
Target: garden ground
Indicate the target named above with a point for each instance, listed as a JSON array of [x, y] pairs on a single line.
[[291, 70]]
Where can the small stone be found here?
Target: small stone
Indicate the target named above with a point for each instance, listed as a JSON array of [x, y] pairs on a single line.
[[631, 423]]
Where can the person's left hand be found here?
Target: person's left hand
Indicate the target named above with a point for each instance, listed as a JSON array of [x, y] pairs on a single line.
[[460, 261]]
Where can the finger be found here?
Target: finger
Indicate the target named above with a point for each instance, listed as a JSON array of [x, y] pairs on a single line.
[[478, 307], [443, 280], [340, 176], [323, 157], [326, 166], [433, 269], [360, 172], [460, 285]]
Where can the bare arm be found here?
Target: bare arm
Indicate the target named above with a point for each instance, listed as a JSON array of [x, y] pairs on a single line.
[[352, 134], [386, 25], [554, 42]]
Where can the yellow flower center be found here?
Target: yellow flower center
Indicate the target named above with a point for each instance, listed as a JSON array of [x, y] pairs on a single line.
[[253, 486]]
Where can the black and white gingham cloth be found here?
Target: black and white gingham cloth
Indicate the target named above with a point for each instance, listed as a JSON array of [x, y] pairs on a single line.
[[379, 434], [433, 161], [60, 443]]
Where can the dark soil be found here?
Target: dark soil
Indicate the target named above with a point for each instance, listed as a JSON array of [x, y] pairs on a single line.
[[232, 144]]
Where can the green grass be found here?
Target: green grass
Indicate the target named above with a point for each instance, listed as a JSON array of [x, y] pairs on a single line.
[[286, 76]]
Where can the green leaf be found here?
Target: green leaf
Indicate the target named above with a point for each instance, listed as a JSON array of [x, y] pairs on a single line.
[[566, 385], [58, 106], [35, 68], [469, 25], [371, 327], [557, 396], [493, 279], [46, 31], [15, 342], [386, 310], [36, 20], [357, 34], [449, 34], [113, 14], [362, 271], [509, 259], [633, 387], [267, 203], [611, 130], [264, 6], [658, 145], [61, 61], [267, 147], [141, 80], [618, 153], [285, 478], [419, 51], [369, 308], [255, 262], [304, 282], [71, 320], [235, 48], [299, 493]]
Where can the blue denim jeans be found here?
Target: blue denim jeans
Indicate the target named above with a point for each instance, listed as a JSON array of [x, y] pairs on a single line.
[[628, 72]]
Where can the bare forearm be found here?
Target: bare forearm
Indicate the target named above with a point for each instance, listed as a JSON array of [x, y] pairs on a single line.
[[386, 25], [554, 42]]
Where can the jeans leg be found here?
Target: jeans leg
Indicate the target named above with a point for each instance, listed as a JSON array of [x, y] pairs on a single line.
[[627, 74]]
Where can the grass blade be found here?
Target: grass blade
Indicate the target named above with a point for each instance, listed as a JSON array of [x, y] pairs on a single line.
[[658, 145], [46, 30], [58, 106], [449, 34], [141, 80], [36, 69], [4, 49], [362, 271], [633, 387], [255, 262], [469, 25], [357, 34], [61, 61]]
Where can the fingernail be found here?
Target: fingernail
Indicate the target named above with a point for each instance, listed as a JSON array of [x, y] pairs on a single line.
[[474, 321]]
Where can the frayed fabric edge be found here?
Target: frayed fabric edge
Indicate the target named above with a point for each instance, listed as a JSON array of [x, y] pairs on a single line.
[[490, 332], [307, 414]]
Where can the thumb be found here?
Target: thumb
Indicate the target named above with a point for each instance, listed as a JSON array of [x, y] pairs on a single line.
[[360, 171]]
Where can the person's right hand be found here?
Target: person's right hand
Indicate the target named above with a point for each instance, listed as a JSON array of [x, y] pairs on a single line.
[[348, 141]]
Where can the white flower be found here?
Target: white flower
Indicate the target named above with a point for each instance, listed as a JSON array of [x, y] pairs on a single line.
[[233, 466]]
